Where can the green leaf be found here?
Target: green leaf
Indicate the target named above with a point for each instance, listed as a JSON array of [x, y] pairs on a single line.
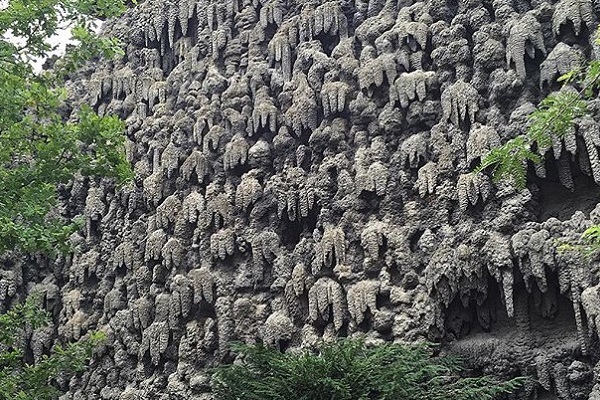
[[509, 161], [568, 77]]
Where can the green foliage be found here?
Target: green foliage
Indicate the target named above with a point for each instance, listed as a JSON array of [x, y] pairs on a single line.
[[588, 244], [39, 147], [35, 21], [20, 380], [42, 146], [552, 120], [350, 370], [554, 117], [509, 161]]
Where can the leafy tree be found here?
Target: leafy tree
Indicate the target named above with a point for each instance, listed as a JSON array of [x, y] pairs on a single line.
[[46, 140], [350, 370], [40, 146]]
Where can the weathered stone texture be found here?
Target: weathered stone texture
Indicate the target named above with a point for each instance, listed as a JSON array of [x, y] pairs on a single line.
[[303, 171]]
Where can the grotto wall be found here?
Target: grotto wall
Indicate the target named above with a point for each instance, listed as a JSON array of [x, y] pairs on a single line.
[[303, 171]]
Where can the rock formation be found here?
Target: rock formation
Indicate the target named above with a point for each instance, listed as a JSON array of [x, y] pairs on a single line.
[[304, 171]]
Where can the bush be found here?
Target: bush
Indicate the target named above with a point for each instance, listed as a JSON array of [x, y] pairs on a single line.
[[350, 370]]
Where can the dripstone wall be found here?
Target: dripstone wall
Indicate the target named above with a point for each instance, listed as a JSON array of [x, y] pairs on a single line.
[[303, 171]]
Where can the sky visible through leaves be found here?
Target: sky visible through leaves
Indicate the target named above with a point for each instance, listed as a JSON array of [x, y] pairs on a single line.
[[61, 40]]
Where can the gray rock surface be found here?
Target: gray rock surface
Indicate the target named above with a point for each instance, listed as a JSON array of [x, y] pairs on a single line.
[[303, 171]]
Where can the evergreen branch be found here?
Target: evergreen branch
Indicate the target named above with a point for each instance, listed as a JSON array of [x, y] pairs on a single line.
[[350, 370]]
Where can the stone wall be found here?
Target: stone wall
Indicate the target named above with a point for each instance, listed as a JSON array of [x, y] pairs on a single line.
[[303, 171]]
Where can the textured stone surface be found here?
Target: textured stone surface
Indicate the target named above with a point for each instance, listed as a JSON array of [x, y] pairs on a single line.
[[303, 171]]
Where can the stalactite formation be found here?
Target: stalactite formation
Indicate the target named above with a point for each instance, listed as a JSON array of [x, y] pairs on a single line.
[[304, 170]]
